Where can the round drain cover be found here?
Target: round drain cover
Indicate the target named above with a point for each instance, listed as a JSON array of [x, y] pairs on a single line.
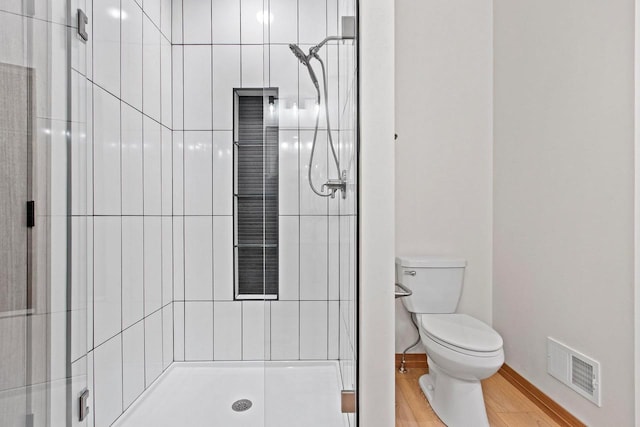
[[241, 405]]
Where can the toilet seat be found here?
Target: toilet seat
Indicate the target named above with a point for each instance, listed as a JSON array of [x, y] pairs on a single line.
[[461, 333]]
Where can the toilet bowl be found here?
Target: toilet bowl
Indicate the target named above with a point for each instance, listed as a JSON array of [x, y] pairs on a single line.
[[459, 355], [461, 350]]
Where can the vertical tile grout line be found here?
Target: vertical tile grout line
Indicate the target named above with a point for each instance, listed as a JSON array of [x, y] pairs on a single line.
[[299, 179], [121, 224], [213, 245], [144, 326], [184, 222], [161, 200]]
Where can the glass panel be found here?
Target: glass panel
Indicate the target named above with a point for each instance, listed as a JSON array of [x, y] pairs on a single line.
[[43, 291], [312, 326]]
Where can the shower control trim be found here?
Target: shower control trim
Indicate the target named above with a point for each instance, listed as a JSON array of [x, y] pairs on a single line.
[[334, 185]]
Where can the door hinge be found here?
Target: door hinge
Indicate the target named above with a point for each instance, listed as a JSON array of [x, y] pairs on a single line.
[[82, 25], [31, 214], [83, 410]]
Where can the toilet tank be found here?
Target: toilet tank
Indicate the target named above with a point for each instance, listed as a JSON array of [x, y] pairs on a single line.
[[436, 282]]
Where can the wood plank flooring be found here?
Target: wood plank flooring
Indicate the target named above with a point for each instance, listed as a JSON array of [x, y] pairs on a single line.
[[506, 405]]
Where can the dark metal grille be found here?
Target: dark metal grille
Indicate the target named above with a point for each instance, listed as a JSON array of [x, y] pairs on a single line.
[[256, 199]]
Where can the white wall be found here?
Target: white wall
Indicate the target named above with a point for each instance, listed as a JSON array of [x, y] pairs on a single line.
[[563, 193], [376, 230], [443, 152]]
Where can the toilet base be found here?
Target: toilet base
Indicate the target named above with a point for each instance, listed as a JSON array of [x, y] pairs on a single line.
[[458, 403]]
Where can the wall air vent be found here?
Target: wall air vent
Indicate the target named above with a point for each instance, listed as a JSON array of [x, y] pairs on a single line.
[[579, 372]]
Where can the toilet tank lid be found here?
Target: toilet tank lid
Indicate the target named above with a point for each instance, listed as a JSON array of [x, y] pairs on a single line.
[[426, 261]]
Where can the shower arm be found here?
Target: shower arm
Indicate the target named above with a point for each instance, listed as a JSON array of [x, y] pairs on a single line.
[[315, 49]]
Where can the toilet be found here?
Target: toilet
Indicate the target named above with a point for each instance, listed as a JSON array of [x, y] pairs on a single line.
[[461, 350]]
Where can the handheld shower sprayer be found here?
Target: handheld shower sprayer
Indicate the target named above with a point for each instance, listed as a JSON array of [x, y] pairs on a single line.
[[304, 60], [348, 33]]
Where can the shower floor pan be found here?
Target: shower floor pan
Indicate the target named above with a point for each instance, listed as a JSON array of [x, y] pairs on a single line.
[[282, 394]]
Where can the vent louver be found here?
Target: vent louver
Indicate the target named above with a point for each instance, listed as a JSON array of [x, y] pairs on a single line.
[[579, 372]]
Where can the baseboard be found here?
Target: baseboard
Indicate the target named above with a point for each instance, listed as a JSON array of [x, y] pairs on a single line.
[[412, 360], [544, 402]]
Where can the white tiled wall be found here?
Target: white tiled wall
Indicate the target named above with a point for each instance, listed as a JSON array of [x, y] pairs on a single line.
[[128, 202], [219, 46]]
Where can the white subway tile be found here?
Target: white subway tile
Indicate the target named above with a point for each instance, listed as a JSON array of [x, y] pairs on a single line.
[[132, 53], [106, 45], [167, 172], [107, 278], [167, 260], [167, 336], [226, 21], [177, 65], [198, 244], [223, 172], [285, 329], [166, 95], [152, 152], [199, 330], [79, 283], [176, 21], [313, 330], [178, 331], [255, 62], [178, 258], [152, 264], [132, 181], [226, 77], [178, 173], [166, 18], [333, 350], [312, 21], [253, 30], [288, 174], [153, 347], [132, 363], [152, 8], [284, 28], [289, 259], [311, 203], [283, 68], [151, 66], [313, 258], [196, 21], [198, 90], [256, 330], [227, 330], [132, 270], [108, 382], [106, 153], [223, 286], [334, 258], [198, 173]]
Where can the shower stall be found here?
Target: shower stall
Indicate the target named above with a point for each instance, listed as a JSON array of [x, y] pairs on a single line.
[[179, 212]]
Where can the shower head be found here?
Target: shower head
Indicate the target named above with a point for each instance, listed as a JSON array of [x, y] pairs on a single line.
[[304, 60]]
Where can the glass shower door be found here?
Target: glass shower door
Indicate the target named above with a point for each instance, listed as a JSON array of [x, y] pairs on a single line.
[[311, 328], [42, 304]]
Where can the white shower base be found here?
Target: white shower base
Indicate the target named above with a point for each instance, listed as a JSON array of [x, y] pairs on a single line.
[[284, 394]]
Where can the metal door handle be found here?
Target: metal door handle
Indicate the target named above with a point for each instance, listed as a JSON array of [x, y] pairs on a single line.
[[410, 272]]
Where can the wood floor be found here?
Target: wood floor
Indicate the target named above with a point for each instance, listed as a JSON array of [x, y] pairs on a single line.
[[506, 405]]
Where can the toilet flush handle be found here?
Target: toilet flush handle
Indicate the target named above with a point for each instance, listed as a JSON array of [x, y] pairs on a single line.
[[410, 272]]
